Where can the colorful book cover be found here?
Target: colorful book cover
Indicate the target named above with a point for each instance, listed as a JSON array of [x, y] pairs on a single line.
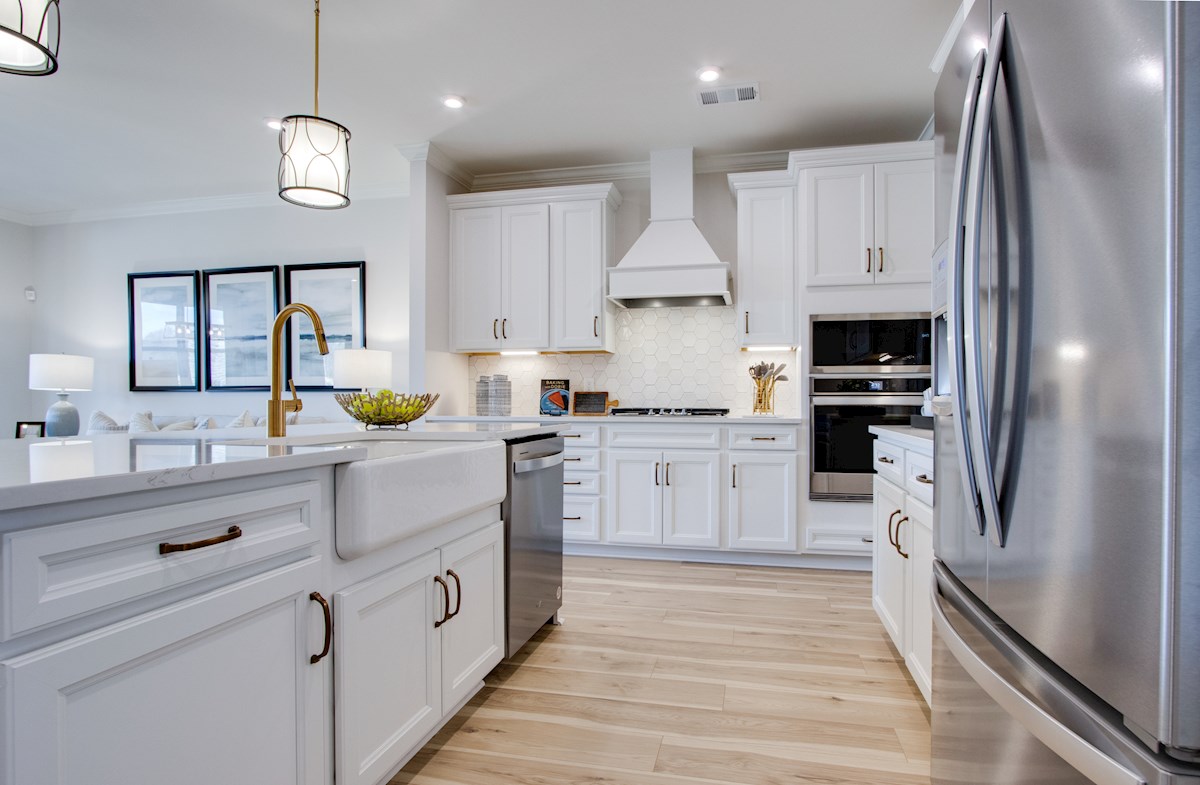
[[556, 397]]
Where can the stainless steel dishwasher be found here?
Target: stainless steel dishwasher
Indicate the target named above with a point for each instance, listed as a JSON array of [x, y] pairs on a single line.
[[533, 541]]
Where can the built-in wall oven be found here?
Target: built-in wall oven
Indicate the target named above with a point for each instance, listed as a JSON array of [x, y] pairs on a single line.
[[865, 369]]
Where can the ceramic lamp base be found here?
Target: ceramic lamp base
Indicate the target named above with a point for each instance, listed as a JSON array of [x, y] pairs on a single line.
[[62, 419]]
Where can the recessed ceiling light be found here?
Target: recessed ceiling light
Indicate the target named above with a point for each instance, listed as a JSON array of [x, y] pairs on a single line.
[[709, 73], [273, 123], [453, 101]]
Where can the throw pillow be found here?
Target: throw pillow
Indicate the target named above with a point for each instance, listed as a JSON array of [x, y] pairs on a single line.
[[246, 420], [102, 423], [182, 425], [142, 422]]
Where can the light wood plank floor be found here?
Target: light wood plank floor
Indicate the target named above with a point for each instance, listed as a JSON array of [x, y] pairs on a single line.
[[666, 673]]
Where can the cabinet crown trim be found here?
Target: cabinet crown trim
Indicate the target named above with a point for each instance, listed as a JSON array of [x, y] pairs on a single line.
[[565, 193], [859, 154]]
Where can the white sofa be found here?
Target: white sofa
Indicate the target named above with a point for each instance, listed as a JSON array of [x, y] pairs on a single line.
[[147, 422]]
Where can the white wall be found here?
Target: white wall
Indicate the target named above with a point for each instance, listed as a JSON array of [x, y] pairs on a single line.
[[16, 324], [82, 305]]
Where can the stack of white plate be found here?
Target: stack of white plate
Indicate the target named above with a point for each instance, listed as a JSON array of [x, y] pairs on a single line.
[[483, 392]]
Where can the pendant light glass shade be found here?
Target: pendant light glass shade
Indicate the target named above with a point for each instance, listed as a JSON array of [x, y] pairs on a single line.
[[29, 37], [314, 170]]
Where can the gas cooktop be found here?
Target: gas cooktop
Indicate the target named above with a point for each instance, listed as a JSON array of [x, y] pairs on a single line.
[[683, 411]]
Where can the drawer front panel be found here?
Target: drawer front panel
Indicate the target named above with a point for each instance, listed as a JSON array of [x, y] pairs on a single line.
[[581, 518], [664, 437], [764, 437], [581, 435], [889, 462], [587, 483], [838, 541], [579, 459], [58, 572], [918, 476]]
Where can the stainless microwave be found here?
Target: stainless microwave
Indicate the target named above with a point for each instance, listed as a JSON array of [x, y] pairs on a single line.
[[872, 343]]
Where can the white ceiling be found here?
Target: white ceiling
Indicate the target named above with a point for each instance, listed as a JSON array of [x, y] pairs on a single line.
[[158, 101]]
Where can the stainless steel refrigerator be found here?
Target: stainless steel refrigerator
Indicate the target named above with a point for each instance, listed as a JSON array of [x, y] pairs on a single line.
[[1067, 324]]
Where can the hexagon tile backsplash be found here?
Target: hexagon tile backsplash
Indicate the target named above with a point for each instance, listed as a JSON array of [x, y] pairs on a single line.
[[664, 357]]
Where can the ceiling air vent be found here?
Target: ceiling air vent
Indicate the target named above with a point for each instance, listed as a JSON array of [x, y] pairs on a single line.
[[729, 94]]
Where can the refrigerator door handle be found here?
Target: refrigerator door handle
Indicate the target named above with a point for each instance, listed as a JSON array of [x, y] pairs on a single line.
[[1064, 742], [985, 475], [958, 384]]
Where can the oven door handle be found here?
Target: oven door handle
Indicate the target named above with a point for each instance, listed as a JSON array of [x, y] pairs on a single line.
[[873, 399]]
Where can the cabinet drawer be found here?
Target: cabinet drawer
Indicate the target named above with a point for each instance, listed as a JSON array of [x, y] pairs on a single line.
[[58, 572], [582, 435], [581, 483], [837, 541], [762, 437], [918, 476], [889, 462], [579, 459], [664, 437], [581, 518]]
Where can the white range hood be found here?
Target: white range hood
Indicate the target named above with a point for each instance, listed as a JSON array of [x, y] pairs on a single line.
[[671, 264]]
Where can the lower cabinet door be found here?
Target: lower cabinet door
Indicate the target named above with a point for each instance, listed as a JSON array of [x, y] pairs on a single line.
[[388, 660], [581, 518], [215, 689], [918, 654], [473, 638], [635, 497], [762, 501], [889, 576], [691, 499]]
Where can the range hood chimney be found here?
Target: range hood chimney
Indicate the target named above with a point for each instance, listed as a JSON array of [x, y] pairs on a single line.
[[670, 264]]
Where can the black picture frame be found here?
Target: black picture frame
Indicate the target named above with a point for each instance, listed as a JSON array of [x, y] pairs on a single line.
[[338, 293], [240, 336], [164, 347], [30, 429]]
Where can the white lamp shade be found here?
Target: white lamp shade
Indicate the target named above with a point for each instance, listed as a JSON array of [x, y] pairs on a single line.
[[315, 168], [60, 372], [362, 368], [50, 461], [29, 37]]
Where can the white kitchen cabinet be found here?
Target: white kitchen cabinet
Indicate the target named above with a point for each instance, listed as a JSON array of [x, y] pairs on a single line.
[[762, 500], [918, 541], [766, 268], [237, 698], [868, 223], [664, 498], [412, 643], [889, 579], [527, 269]]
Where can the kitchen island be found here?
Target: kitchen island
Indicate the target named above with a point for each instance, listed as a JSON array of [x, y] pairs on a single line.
[[168, 605]]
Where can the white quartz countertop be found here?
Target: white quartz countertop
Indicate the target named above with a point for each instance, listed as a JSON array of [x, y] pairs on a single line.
[[34, 472], [917, 438], [611, 420]]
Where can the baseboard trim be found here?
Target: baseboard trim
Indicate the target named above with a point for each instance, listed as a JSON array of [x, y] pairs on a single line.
[[811, 561]]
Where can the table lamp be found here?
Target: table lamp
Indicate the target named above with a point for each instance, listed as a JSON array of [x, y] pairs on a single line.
[[362, 368], [63, 373]]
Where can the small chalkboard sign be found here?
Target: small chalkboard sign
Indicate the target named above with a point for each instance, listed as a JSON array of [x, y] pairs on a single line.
[[591, 404]]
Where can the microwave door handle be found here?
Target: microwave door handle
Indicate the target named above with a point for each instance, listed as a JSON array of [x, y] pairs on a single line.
[[954, 321], [985, 475]]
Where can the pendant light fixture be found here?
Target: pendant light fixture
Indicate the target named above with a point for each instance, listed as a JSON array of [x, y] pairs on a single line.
[[29, 37], [315, 168]]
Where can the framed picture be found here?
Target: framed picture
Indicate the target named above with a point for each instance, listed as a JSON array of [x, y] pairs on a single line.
[[240, 304], [164, 350], [338, 293], [28, 430]]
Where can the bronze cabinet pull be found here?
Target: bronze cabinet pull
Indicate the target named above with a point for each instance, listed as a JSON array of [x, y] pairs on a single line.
[[458, 594], [747, 322], [166, 547], [923, 478], [504, 328], [885, 459], [891, 518], [735, 475], [495, 327], [573, 459], [668, 482], [446, 596], [572, 482], [656, 465], [573, 518], [762, 438], [868, 540], [595, 326], [572, 436], [897, 543], [879, 267], [317, 598], [868, 260]]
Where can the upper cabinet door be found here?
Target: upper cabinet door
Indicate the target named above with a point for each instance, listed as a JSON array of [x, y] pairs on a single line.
[[767, 266], [476, 280], [525, 260], [903, 221], [839, 231], [577, 250]]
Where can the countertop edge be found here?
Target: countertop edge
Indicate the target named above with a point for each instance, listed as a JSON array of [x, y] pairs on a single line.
[[916, 438]]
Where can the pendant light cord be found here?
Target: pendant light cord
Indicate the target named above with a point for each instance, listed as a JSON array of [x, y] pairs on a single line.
[[317, 59]]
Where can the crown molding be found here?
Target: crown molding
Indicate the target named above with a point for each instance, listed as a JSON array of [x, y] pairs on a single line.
[[859, 154], [569, 193], [433, 155], [742, 162], [571, 175]]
